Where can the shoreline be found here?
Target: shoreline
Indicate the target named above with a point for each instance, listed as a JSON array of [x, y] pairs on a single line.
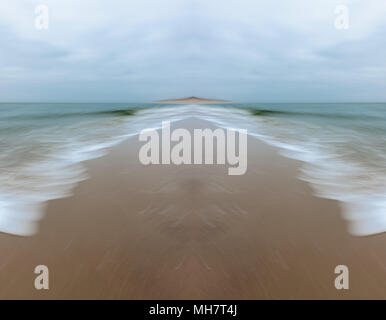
[[192, 232]]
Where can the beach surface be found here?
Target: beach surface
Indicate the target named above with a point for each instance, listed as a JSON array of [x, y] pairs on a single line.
[[192, 232]]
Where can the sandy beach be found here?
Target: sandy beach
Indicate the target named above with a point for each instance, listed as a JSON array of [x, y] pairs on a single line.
[[192, 232]]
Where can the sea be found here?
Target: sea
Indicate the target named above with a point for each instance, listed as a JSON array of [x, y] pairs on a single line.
[[341, 148]]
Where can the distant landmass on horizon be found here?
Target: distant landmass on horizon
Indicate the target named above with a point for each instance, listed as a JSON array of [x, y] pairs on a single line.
[[194, 100]]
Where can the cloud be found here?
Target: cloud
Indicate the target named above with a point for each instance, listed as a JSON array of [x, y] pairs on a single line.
[[140, 50]]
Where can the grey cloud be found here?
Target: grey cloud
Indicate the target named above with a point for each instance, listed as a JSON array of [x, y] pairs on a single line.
[[246, 51]]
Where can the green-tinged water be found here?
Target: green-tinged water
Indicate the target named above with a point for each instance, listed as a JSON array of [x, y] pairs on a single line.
[[342, 147]]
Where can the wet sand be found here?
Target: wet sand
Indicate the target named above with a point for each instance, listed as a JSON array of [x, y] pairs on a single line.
[[192, 232]]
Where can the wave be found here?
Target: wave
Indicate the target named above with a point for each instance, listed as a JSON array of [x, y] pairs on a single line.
[[342, 160], [273, 112], [48, 116], [26, 188], [345, 164], [43, 161], [359, 187]]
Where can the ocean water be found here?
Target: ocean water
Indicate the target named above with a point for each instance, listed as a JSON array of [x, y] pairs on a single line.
[[42, 147], [342, 148]]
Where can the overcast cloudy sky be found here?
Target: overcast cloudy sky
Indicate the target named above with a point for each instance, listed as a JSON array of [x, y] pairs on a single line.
[[244, 50]]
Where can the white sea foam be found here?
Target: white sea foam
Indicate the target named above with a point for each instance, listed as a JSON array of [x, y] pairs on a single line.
[[358, 184], [328, 166], [31, 176], [25, 189]]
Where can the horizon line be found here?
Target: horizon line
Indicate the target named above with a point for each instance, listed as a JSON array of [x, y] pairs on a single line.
[[158, 102]]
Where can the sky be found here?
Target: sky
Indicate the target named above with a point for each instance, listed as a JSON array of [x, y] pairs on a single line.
[[242, 50]]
